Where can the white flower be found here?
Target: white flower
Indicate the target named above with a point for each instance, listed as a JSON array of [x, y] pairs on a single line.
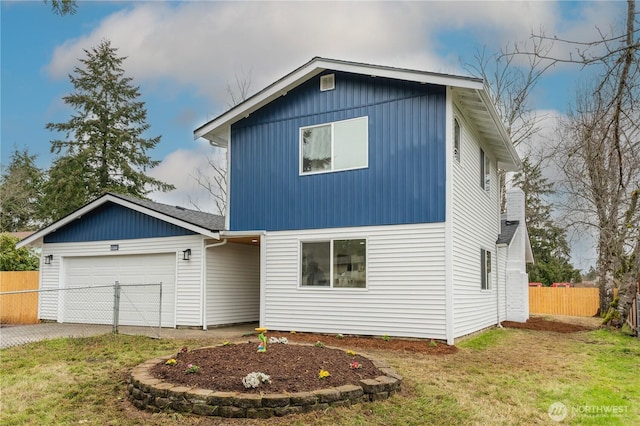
[[255, 379]]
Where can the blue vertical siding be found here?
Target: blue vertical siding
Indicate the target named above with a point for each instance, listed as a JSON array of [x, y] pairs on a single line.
[[114, 222], [403, 183]]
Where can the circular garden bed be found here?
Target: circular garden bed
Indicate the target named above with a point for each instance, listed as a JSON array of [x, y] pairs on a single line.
[[209, 381]]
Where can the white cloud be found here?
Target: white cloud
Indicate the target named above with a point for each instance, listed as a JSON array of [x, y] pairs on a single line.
[[179, 169], [202, 45]]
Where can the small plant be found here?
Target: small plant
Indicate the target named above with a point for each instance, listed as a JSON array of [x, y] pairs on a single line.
[[227, 343], [171, 361], [191, 369], [255, 379], [386, 338], [433, 343], [351, 353], [319, 344], [339, 336], [292, 332], [282, 340], [355, 365], [323, 374]]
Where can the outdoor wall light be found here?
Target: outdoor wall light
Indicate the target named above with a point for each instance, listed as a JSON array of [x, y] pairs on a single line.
[[186, 254], [47, 259]]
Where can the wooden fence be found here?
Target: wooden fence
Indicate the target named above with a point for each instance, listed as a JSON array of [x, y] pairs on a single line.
[[574, 301], [19, 308]]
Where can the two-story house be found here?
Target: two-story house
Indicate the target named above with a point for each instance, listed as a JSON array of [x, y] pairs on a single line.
[[362, 199], [373, 194]]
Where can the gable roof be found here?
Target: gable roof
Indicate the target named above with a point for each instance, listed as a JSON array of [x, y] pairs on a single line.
[[508, 229], [200, 222], [470, 92]]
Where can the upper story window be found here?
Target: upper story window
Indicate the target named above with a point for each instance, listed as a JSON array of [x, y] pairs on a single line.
[[456, 140], [334, 263], [485, 267], [485, 171], [341, 145]]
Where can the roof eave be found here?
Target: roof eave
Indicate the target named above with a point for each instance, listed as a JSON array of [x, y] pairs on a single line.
[[218, 125], [125, 203]]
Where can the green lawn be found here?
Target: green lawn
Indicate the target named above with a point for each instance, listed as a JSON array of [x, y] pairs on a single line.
[[501, 376]]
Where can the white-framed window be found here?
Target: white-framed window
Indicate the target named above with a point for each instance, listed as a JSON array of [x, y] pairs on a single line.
[[485, 267], [456, 140], [340, 145], [334, 263], [485, 171]]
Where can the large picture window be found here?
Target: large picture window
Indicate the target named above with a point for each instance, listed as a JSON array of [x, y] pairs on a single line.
[[334, 263], [341, 145]]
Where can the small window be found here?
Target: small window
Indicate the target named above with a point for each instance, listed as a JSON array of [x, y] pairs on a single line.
[[341, 145], [335, 263], [456, 140], [485, 266], [485, 171]]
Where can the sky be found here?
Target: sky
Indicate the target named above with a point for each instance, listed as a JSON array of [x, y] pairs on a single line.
[[184, 56]]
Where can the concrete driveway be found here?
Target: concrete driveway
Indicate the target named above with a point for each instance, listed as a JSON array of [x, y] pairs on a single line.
[[22, 334]]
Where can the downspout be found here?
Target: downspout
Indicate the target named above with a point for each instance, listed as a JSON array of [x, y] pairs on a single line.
[[204, 263], [216, 244], [498, 286]]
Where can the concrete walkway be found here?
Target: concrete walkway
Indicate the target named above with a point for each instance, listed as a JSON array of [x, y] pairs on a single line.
[[22, 334]]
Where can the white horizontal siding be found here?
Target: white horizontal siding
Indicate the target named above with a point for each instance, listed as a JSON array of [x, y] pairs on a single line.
[[233, 284], [405, 284], [188, 293], [475, 225]]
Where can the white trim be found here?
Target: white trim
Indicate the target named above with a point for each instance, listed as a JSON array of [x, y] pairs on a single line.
[[311, 69], [330, 287], [227, 213], [128, 204], [448, 229], [203, 283], [332, 124], [263, 281]]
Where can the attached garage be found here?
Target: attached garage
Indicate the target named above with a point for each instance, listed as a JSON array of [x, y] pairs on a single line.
[[139, 305], [140, 243]]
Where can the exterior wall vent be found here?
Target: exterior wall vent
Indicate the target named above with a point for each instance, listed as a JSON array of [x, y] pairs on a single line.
[[327, 82]]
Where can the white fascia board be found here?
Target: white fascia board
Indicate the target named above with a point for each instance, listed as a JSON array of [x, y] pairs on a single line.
[[254, 103], [241, 234], [317, 65], [503, 132], [110, 198]]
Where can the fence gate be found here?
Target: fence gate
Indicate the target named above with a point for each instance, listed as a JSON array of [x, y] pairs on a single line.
[[85, 311]]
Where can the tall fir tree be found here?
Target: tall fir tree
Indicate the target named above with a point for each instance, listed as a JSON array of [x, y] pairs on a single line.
[[104, 149], [20, 193], [548, 241]]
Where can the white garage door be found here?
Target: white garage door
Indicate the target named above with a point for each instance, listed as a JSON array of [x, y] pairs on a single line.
[[139, 305]]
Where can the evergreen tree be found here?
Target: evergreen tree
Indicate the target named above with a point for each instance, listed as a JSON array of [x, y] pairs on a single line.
[[20, 193], [548, 241], [13, 259], [105, 149]]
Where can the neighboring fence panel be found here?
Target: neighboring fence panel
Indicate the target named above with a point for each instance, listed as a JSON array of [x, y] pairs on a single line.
[[19, 308], [573, 301]]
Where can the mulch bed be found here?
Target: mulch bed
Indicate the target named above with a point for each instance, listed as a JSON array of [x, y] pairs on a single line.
[[293, 368], [546, 325], [424, 346]]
